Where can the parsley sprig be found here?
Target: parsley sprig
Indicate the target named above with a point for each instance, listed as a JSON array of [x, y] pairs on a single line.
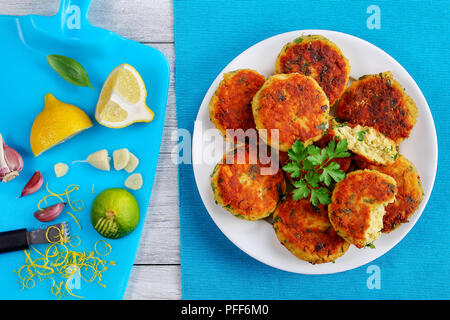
[[310, 166]]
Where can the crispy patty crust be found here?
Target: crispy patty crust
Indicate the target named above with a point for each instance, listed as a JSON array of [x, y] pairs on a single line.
[[358, 205], [409, 195], [318, 57], [230, 106], [241, 188], [379, 101], [295, 105], [306, 232]]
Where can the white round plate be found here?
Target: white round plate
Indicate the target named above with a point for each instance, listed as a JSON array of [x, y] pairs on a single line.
[[258, 238]]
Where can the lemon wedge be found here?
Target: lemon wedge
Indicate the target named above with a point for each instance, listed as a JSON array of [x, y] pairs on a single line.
[[55, 124], [122, 99]]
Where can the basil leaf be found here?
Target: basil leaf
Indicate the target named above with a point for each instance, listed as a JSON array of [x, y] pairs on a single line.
[[70, 70]]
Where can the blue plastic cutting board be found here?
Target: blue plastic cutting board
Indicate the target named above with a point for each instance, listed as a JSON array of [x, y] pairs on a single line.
[[25, 79]]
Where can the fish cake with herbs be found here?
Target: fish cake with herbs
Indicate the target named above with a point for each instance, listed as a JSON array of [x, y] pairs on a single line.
[[318, 57], [293, 104], [358, 205], [409, 195], [379, 101], [306, 231], [367, 142], [242, 188], [230, 106]]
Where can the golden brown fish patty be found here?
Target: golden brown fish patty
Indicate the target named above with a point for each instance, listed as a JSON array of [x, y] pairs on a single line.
[[230, 106], [357, 205], [295, 105], [306, 231], [367, 142], [379, 101], [318, 57], [243, 189], [409, 195]]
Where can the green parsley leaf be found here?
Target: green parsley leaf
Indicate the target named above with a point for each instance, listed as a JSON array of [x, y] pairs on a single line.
[[301, 190], [332, 171], [293, 169], [341, 150], [313, 179], [307, 165], [298, 152], [316, 156], [320, 195], [313, 170]]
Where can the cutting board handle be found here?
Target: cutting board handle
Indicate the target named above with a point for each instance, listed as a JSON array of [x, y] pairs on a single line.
[[73, 15]]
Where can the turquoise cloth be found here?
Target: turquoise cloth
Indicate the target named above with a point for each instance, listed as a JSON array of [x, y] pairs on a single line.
[[208, 35]]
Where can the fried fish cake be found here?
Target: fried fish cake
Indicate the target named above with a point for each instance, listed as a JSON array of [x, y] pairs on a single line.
[[306, 232], [293, 104], [409, 195], [240, 186], [379, 101], [318, 57], [358, 205], [367, 142], [230, 106]]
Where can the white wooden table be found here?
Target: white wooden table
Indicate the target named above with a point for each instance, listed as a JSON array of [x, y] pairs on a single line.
[[156, 271]]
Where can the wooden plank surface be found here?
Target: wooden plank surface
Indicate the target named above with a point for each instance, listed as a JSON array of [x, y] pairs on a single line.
[[156, 272]]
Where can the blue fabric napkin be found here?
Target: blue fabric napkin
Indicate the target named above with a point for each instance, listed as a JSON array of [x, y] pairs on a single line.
[[208, 35]]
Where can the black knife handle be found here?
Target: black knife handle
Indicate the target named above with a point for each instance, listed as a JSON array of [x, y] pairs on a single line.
[[13, 240]]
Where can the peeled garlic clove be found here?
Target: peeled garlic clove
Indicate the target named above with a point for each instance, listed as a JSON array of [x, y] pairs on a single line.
[[11, 163], [33, 185], [134, 182], [132, 163], [61, 169], [121, 158], [100, 160], [50, 213]]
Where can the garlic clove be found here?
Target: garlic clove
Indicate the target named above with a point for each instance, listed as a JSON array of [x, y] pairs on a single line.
[[100, 160], [132, 163], [61, 169], [11, 163], [121, 158], [13, 159], [134, 182], [33, 185], [50, 213]]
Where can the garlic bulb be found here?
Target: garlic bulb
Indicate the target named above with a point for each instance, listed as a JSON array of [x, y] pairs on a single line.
[[11, 163]]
